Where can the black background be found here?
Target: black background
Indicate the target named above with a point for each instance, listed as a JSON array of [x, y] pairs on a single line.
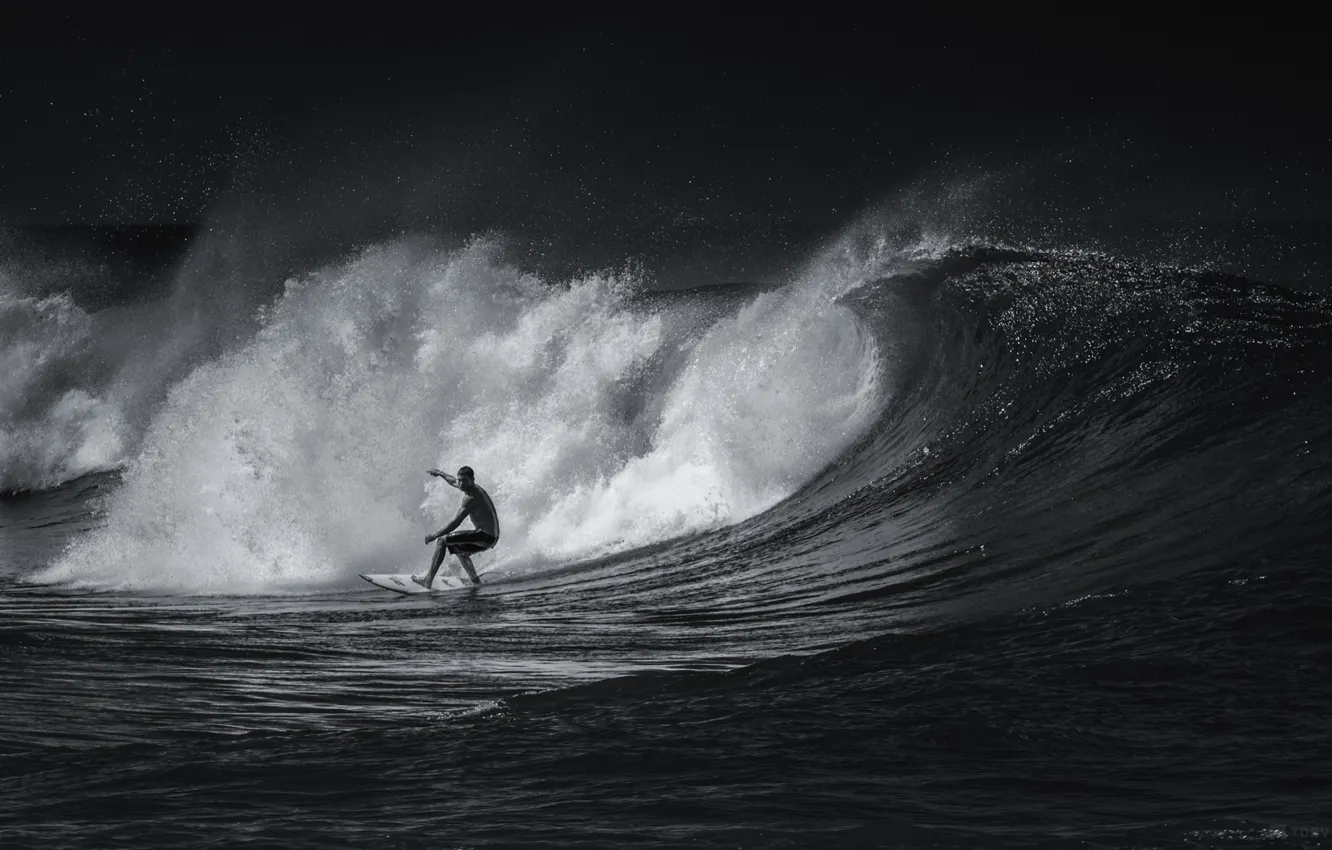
[[738, 137]]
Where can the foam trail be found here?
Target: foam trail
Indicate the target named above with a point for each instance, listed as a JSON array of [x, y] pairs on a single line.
[[298, 458]]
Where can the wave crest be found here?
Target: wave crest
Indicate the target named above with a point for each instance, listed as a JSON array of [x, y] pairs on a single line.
[[598, 421]]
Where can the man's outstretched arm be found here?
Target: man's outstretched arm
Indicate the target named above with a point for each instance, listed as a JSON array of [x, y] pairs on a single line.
[[439, 473]]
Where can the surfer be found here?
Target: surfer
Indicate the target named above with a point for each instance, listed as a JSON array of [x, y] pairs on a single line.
[[484, 534]]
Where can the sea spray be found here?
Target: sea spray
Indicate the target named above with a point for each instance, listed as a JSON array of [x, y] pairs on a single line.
[[297, 458], [58, 419]]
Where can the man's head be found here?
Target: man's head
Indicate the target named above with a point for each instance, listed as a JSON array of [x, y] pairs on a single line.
[[466, 478]]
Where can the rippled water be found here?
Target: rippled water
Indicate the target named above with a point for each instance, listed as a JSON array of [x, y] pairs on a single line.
[[1066, 587]]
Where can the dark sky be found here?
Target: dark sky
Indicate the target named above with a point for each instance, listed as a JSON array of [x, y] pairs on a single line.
[[588, 125]]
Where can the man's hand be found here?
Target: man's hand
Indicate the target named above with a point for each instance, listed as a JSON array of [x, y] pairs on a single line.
[[430, 538], [439, 473]]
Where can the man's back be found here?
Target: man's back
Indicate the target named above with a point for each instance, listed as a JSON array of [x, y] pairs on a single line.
[[482, 511]]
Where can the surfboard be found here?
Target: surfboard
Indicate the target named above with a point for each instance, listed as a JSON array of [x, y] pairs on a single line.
[[402, 582]]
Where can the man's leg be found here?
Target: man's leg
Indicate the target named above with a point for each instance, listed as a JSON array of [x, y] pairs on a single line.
[[441, 549], [466, 560]]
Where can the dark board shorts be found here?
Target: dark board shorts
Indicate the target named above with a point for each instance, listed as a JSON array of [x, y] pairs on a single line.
[[469, 542]]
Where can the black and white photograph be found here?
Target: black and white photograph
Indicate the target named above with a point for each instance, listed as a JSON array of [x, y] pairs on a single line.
[[752, 427]]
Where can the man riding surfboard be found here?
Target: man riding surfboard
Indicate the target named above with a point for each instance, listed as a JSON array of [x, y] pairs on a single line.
[[483, 535]]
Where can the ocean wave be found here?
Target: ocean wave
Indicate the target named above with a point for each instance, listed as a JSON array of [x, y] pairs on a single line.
[[907, 421], [58, 415], [598, 421]]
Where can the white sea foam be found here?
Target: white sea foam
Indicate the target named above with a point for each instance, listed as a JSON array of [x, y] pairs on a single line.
[[79, 388], [59, 418], [298, 457]]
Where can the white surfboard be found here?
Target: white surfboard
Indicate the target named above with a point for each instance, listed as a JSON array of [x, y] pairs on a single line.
[[402, 582]]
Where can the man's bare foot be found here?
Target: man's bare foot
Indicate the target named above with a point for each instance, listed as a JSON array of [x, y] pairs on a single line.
[[421, 581]]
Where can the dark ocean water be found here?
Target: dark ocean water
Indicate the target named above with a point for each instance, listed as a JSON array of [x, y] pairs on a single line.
[[975, 547]]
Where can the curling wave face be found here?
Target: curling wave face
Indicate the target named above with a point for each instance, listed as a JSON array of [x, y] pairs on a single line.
[[905, 421], [1003, 489]]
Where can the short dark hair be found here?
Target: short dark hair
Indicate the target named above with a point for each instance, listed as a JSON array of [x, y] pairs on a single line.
[[466, 470]]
